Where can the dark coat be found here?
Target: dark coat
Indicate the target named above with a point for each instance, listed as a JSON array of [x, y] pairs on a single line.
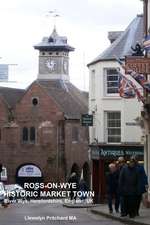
[[112, 182], [83, 186], [129, 180], [143, 179]]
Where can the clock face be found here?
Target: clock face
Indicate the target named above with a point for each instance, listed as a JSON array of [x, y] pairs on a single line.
[[51, 65]]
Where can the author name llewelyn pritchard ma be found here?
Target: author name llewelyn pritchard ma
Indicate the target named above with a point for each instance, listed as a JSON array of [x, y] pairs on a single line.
[[50, 218]]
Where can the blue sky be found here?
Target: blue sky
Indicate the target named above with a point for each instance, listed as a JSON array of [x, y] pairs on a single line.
[[85, 22]]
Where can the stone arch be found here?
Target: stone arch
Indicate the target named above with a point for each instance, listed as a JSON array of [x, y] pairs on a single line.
[[75, 168], [86, 175], [28, 173]]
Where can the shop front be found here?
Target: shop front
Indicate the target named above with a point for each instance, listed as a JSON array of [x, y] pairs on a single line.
[[102, 156]]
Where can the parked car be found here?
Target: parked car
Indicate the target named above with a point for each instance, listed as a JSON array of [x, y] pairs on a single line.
[[15, 192], [3, 196]]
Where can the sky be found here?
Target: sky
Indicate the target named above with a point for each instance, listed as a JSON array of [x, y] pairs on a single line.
[[86, 23]]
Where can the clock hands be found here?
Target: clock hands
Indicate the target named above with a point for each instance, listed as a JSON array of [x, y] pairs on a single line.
[[50, 64]]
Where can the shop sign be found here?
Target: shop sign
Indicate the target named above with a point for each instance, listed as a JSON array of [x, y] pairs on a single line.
[[99, 153], [87, 120], [95, 153], [138, 64], [29, 171]]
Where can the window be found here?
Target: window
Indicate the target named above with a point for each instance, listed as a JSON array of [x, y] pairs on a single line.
[[28, 135], [32, 134], [112, 79], [75, 134], [51, 39], [25, 134], [113, 127], [35, 101]]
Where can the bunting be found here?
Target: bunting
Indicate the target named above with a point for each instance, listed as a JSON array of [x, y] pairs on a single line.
[[127, 89], [140, 78]]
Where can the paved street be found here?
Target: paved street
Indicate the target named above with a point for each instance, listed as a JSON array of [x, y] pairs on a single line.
[[32, 213]]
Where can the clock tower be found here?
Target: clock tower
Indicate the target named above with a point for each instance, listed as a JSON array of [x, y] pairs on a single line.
[[54, 57]]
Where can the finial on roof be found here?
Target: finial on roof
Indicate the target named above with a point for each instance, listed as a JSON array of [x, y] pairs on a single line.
[[54, 32]]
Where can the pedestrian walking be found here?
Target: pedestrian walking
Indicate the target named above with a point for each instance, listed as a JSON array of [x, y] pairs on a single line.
[[129, 187], [120, 164], [73, 180], [112, 188], [83, 188], [143, 183]]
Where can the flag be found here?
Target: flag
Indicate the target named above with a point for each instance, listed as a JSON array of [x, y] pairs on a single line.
[[146, 43], [128, 89], [140, 78], [125, 89]]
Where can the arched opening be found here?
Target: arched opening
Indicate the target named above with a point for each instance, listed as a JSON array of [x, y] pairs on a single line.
[[75, 168], [28, 173], [86, 174]]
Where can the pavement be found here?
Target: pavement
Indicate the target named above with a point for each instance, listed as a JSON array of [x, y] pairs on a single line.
[[102, 210], [44, 213]]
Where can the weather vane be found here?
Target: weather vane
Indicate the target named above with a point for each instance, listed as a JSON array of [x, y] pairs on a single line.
[[54, 14]]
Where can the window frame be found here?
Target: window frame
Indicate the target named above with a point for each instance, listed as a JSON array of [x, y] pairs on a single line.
[[32, 99], [105, 69], [110, 128], [23, 134], [32, 132], [29, 140]]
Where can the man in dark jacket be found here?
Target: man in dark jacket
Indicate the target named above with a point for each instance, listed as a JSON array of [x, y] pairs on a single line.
[[121, 163], [143, 184], [129, 180], [112, 187]]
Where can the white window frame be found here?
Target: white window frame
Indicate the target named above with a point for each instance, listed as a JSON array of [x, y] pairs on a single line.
[[107, 128], [106, 82]]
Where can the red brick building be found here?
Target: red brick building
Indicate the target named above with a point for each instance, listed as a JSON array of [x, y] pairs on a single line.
[[41, 137]]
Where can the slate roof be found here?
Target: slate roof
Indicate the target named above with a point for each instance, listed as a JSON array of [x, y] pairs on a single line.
[[70, 99], [11, 95], [54, 42], [122, 45]]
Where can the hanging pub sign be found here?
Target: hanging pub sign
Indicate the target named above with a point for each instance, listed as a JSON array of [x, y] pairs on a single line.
[[87, 120], [139, 64]]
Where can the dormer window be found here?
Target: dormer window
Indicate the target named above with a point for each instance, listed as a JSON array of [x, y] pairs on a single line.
[[50, 39]]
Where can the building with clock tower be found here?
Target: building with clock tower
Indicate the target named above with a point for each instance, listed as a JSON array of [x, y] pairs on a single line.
[[54, 57], [41, 136]]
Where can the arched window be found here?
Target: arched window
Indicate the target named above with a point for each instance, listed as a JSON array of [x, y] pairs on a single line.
[[32, 134], [25, 134]]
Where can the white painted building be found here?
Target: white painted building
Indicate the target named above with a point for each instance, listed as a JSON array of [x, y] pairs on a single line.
[[104, 100], [115, 131]]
